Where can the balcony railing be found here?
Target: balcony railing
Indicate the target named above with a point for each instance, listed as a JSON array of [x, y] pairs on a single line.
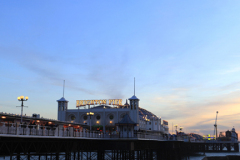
[[60, 131]]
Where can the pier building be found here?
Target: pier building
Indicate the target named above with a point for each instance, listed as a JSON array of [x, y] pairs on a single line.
[[111, 116]]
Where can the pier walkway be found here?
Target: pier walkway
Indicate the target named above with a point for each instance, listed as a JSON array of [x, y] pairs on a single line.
[[15, 130], [66, 140]]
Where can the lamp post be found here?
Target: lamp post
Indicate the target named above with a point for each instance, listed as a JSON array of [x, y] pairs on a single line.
[[176, 128], [181, 130], [21, 98], [90, 114]]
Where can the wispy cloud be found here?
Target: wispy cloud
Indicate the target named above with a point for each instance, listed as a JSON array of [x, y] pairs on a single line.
[[232, 70], [200, 115], [103, 75]]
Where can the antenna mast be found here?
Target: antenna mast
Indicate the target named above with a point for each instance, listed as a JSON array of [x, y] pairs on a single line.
[[215, 126], [134, 86], [63, 87]]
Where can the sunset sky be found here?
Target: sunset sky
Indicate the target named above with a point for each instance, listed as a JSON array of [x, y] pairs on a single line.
[[185, 56]]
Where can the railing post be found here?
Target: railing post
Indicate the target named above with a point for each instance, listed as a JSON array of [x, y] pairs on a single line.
[[8, 128], [56, 132], [27, 128], [16, 129]]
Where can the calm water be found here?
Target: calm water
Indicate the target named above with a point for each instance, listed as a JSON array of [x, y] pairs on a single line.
[[191, 157], [213, 154]]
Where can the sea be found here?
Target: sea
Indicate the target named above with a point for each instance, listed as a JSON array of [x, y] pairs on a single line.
[[201, 155], [198, 156]]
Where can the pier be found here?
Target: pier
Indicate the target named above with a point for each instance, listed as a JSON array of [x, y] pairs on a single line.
[[74, 141], [27, 147], [211, 146], [19, 142]]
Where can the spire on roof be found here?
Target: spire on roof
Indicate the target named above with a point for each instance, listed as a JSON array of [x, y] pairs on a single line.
[[134, 97], [62, 100], [126, 104], [63, 87], [134, 86]]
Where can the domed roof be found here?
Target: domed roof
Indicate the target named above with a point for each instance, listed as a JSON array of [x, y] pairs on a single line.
[[62, 100], [133, 98], [143, 113], [233, 129]]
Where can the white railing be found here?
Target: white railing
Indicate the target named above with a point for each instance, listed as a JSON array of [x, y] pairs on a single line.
[[60, 131]]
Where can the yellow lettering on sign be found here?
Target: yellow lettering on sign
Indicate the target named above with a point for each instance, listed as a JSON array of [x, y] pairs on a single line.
[[88, 101], [81, 102], [116, 102], [77, 103], [120, 102], [96, 101], [104, 101]]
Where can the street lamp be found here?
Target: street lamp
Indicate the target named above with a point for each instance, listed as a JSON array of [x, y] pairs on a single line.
[[176, 128], [90, 114], [180, 130], [21, 98]]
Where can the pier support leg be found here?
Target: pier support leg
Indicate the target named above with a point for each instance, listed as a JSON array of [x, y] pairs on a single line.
[[131, 155], [100, 155], [228, 147], [66, 155], [150, 154], [117, 154], [236, 147], [57, 156], [29, 157], [18, 156]]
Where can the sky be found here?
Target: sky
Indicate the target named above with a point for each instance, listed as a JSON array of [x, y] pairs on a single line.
[[184, 55]]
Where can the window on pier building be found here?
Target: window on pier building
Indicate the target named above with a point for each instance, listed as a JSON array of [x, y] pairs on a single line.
[[111, 117], [73, 117], [98, 117]]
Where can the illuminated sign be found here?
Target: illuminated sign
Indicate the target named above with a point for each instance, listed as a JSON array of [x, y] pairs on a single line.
[[117, 102]]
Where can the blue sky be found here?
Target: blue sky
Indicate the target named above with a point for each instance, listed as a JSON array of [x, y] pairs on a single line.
[[184, 55]]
